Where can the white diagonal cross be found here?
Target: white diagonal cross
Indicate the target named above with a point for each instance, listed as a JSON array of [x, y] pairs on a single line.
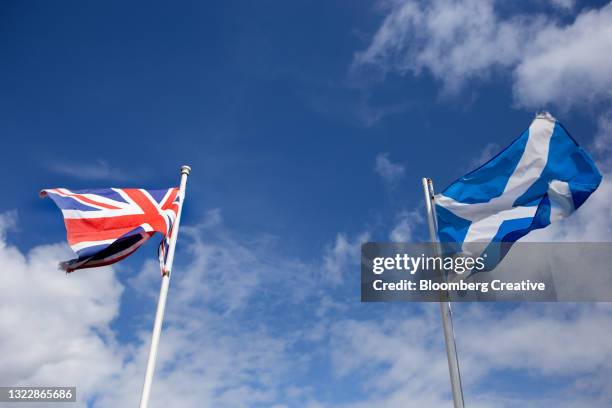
[[487, 217]]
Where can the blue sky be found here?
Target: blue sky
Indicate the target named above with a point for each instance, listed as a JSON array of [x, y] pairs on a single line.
[[308, 126]]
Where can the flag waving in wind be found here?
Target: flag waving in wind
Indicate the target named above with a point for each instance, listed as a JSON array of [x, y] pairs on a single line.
[[106, 225], [541, 177]]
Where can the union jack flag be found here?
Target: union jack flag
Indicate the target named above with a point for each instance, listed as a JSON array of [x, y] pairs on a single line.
[[105, 226]]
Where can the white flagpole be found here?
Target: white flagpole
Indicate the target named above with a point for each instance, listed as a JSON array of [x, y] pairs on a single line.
[[163, 294], [445, 308]]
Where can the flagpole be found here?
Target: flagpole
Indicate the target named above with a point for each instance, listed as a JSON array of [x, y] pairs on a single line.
[[445, 307], [163, 294]]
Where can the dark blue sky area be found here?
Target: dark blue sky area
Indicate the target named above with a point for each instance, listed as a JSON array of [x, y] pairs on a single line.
[[257, 96]]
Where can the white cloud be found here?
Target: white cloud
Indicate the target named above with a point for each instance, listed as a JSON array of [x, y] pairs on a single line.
[[603, 138], [510, 341], [552, 63], [390, 172], [568, 65], [402, 359], [342, 255], [399, 359], [455, 41], [8, 221], [55, 328], [406, 226]]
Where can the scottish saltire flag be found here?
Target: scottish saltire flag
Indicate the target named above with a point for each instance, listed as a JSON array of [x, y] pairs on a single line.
[[541, 177], [104, 226]]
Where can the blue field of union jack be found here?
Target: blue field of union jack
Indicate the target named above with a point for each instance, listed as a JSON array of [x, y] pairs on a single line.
[[104, 226]]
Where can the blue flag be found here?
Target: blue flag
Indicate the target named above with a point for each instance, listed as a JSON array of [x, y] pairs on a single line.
[[541, 177]]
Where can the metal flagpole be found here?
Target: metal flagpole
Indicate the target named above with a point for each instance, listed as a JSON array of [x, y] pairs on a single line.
[[445, 307], [163, 294]]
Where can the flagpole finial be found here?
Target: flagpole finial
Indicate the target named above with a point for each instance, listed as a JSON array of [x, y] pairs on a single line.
[[185, 169], [545, 115]]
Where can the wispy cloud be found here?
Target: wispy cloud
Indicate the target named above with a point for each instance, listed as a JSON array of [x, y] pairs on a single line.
[[486, 154], [603, 139], [349, 102], [407, 226], [390, 172], [566, 5], [341, 255], [96, 170]]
